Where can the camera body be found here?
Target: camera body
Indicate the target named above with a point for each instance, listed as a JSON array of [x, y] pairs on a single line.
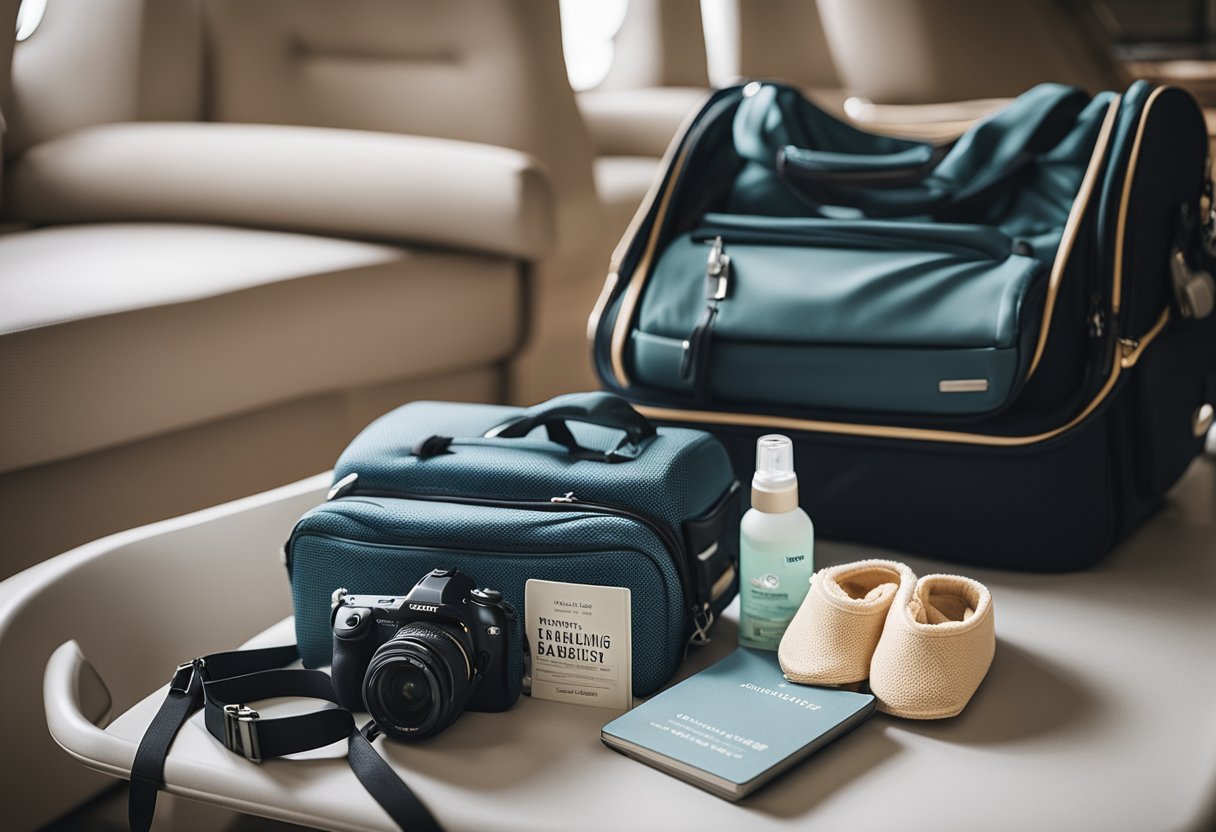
[[416, 661]]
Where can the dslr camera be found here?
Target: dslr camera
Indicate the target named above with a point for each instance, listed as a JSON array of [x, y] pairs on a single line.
[[416, 661]]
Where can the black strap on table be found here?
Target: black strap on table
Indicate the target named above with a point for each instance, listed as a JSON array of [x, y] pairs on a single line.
[[221, 684]]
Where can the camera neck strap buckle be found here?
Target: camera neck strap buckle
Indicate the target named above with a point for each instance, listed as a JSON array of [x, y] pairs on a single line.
[[221, 684], [184, 675], [241, 732]]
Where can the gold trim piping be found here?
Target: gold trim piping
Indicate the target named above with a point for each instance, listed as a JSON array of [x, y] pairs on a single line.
[[601, 303], [881, 431], [1116, 295], [1072, 225], [1129, 352], [1133, 348], [617, 347], [633, 291], [652, 193], [1126, 357]]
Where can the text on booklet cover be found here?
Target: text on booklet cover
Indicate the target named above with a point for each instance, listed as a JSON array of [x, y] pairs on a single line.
[[579, 635]]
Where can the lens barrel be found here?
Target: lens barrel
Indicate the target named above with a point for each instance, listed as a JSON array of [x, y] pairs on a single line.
[[419, 681]]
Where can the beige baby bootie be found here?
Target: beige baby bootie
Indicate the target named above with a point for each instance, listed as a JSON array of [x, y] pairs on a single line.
[[833, 635], [936, 647]]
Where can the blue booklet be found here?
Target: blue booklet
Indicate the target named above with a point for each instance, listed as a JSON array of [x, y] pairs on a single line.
[[736, 725]]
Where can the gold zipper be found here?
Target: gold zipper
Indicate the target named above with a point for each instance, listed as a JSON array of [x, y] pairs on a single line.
[[1125, 357]]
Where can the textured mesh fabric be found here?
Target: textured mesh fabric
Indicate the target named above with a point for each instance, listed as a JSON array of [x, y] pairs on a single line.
[[386, 545], [678, 475]]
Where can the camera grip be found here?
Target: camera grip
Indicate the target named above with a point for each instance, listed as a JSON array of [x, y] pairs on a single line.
[[349, 667]]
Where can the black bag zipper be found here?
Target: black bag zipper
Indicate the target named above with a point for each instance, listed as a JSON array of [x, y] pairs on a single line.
[[812, 232], [345, 487]]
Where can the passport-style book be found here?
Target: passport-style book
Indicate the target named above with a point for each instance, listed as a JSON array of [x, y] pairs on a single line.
[[736, 725]]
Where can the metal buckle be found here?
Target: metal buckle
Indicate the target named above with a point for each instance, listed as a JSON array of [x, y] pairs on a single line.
[[183, 676], [240, 732]]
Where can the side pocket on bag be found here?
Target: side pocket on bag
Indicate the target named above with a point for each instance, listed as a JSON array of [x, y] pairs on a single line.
[[712, 543]]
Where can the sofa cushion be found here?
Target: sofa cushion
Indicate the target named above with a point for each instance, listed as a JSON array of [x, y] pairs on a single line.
[[115, 332]]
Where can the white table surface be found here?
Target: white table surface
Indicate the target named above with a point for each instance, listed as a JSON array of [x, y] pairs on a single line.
[[1099, 713]]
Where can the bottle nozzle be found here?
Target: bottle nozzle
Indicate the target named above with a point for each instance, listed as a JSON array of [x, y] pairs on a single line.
[[774, 486], [775, 461]]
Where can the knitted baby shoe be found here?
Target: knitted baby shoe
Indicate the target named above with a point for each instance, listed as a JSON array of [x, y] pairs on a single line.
[[833, 635], [936, 647]]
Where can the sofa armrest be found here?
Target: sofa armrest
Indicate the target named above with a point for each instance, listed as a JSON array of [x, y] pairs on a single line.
[[638, 122], [349, 183]]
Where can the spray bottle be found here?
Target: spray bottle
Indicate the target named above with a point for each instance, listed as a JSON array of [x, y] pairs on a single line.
[[776, 548]]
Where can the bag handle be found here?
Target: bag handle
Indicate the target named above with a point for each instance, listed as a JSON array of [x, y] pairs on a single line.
[[603, 409], [806, 147], [874, 170]]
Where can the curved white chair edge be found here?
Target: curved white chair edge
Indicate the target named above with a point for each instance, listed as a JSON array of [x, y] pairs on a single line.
[[69, 727], [18, 590]]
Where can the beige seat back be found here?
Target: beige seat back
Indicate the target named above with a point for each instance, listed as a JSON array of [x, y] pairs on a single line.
[[101, 61], [929, 51], [490, 72], [660, 44], [781, 40]]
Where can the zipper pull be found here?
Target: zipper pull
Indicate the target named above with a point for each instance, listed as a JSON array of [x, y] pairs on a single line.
[[568, 497], [717, 272], [1097, 318], [717, 281]]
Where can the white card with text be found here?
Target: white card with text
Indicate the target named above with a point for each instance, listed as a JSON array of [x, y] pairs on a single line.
[[580, 639]]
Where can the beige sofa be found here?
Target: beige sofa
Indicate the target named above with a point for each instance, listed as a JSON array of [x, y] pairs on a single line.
[[246, 227]]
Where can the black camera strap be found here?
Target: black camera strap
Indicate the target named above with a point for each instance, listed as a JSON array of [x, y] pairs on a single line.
[[221, 684]]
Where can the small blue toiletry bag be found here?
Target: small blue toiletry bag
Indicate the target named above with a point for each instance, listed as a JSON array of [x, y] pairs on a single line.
[[581, 489]]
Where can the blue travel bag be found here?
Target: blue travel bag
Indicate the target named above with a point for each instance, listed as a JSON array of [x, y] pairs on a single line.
[[581, 488], [997, 350]]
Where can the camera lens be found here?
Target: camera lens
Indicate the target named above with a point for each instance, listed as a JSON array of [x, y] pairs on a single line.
[[418, 682], [408, 687]]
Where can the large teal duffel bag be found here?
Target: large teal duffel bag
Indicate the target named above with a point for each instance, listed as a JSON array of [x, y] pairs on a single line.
[[580, 489], [995, 350]]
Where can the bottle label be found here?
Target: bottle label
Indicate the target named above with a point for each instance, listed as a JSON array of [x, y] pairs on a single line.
[[774, 587], [766, 583]]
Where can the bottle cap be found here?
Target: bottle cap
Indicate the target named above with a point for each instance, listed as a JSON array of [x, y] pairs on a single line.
[[775, 485]]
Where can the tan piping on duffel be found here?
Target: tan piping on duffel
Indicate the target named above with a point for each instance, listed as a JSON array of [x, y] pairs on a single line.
[[601, 303], [1131, 349], [1116, 295], [633, 291], [1126, 356], [1072, 226], [617, 345]]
